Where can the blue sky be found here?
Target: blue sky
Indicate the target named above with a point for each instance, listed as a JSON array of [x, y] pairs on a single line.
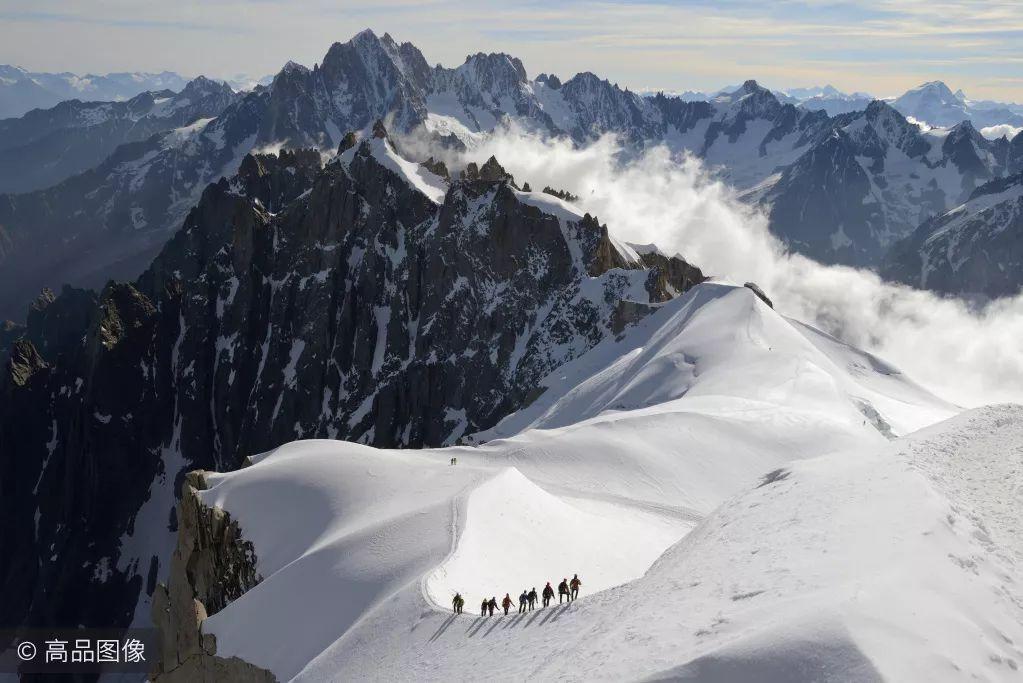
[[882, 47]]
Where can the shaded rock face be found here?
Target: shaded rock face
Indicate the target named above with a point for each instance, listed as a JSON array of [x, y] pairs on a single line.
[[670, 276], [212, 565], [975, 250], [275, 180], [358, 309], [826, 187]]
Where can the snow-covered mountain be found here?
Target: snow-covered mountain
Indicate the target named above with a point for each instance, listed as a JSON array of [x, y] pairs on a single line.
[[831, 100], [872, 178], [736, 489], [372, 300], [841, 189], [22, 91], [934, 103], [721, 479], [815, 98], [46, 146], [109, 222], [974, 249]]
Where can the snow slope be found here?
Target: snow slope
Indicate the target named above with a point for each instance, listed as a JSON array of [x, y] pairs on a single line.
[[610, 473]]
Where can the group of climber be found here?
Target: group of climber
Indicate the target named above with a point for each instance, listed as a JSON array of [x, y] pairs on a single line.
[[567, 590]]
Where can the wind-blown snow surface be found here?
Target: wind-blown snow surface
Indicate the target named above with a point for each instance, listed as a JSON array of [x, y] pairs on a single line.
[[814, 568]]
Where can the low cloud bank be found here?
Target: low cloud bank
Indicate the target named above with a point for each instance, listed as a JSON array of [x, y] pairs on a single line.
[[970, 357]]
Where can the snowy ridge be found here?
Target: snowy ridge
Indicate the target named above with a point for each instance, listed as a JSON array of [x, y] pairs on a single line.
[[694, 348], [416, 175], [609, 478]]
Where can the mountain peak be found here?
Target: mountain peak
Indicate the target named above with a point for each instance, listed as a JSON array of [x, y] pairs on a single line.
[[201, 85], [963, 130], [292, 67], [878, 108], [750, 98], [365, 35], [496, 64], [937, 88], [552, 81]]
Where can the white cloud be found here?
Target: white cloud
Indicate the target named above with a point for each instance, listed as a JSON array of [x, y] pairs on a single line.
[[968, 356], [995, 132]]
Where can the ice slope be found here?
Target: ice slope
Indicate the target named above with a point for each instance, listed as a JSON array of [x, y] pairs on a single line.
[[643, 437]]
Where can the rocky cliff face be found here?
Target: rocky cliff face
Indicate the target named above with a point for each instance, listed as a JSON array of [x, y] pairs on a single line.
[[368, 300], [212, 565]]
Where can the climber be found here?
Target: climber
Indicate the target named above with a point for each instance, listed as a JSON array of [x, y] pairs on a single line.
[[506, 603], [523, 597], [492, 605], [457, 603], [563, 591], [531, 597], [575, 583], [483, 607], [548, 594]]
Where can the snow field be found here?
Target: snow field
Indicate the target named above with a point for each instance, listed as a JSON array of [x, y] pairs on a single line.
[[517, 536], [659, 467]]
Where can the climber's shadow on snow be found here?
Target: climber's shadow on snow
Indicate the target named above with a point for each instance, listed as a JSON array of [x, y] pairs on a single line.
[[555, 612], [524, 620], [476, 626], [443, 627]]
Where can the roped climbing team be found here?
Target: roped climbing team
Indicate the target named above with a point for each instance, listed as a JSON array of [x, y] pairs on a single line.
[[567, 590]]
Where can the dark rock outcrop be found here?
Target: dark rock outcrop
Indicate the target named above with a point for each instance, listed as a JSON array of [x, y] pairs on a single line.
[[670, 275], [212, 565], [755, 288]]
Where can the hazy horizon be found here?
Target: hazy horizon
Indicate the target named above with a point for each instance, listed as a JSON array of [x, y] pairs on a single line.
[[883, 48]]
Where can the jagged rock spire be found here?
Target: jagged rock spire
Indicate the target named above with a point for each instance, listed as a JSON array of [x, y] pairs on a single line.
[[347, 142], [491, 172]]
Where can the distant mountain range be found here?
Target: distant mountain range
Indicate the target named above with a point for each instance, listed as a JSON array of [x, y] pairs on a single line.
[[933, 104], [841, 188], [22, 91], [45, 146], [936, 105]]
